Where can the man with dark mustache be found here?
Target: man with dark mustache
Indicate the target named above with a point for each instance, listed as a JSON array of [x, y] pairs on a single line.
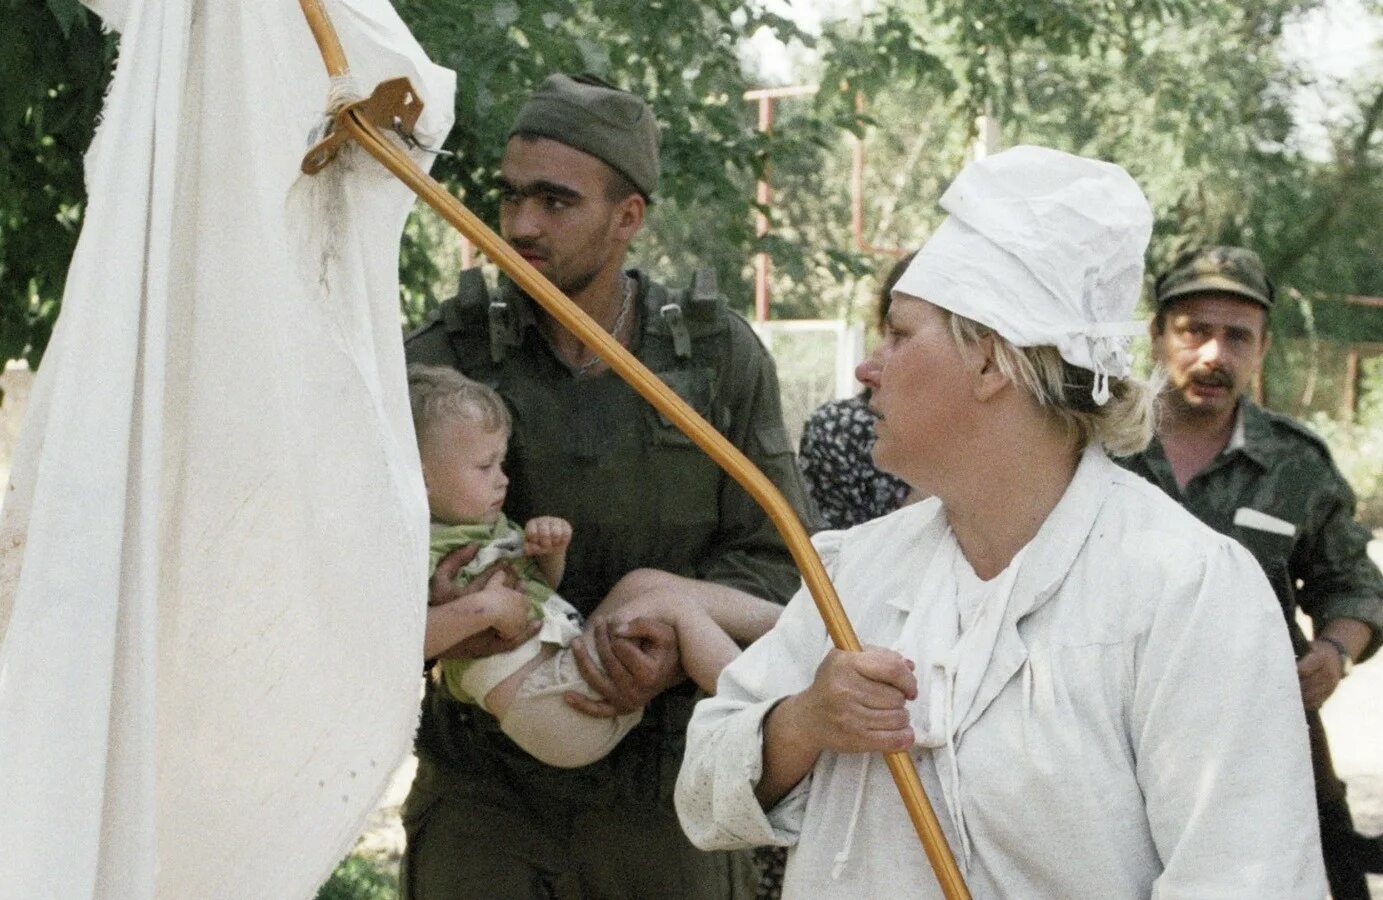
[[1269, 482], [651, 516]]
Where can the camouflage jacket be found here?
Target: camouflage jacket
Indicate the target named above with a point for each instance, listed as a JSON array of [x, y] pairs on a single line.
[[1275, 489]]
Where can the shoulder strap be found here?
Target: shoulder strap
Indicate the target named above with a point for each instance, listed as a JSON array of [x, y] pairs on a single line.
[[705, 303], [1290, 428], [471, 288], [475, 303], [461, 320], [688, 314]]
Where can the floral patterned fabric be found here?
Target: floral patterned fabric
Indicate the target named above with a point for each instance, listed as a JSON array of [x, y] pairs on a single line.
[[836, 463]]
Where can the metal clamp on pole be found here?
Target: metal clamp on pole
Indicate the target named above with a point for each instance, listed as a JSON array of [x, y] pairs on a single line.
[[393, 106]]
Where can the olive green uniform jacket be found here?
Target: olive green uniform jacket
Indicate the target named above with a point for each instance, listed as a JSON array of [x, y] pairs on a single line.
[[1276, 490], [638, 494]]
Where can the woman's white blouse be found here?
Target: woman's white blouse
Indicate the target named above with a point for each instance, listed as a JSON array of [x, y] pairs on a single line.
[[1135, 730]]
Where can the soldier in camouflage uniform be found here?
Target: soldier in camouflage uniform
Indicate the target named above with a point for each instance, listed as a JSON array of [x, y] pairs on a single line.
[[1269, 482], [650, 512]]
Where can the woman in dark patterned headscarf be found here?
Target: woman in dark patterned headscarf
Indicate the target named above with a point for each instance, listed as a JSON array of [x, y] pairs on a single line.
[[834, 453]]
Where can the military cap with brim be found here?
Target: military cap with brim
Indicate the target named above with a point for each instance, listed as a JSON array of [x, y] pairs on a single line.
[[1220, 270], [593, 116]]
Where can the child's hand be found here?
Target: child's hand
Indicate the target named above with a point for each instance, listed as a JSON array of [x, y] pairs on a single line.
[[546, 534]]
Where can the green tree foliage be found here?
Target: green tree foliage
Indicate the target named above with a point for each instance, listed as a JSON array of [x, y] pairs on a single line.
[[683, 57], [1193, 98], [358, 878], [1199, 110], [1190, 95], [54, 66]]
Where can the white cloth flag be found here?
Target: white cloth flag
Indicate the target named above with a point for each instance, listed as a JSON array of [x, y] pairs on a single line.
[[213, 547]]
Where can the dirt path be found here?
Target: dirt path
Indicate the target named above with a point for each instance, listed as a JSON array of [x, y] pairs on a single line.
[[382, 839]]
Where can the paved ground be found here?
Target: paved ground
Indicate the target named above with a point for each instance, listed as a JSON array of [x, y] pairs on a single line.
[[1354, 720]]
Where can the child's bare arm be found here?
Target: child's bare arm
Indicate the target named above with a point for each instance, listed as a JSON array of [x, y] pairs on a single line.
[[704, 646], [546, 538], [494, 606]]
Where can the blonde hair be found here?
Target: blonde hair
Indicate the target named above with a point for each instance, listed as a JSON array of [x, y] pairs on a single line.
[[440, 394], [1123, 426]]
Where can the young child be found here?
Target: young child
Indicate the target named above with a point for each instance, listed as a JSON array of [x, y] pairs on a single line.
[[463, 431]]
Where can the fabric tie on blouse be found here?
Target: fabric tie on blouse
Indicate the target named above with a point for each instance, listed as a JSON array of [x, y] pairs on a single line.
[[952, 657], [951, 661]]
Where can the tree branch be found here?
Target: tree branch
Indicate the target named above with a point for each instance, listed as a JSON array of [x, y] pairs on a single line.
[[1355, 171]]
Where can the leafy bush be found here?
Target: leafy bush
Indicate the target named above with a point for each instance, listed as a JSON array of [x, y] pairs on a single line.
[[358, 878]]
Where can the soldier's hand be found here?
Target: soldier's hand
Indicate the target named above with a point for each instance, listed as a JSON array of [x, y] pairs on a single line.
[[508, 607], [441, 587], [1319, 672], [627, 663], [441, 590]]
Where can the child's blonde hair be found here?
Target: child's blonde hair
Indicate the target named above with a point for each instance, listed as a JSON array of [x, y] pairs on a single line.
[[441, 394]]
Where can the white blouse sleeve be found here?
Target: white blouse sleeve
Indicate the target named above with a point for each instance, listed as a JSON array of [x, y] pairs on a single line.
[[724, 757], [1216, 719]]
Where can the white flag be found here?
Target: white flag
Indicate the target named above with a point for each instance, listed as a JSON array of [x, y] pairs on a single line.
[[213, 547]]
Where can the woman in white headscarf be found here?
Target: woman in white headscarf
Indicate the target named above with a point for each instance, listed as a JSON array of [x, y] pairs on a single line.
[[1097, 690]]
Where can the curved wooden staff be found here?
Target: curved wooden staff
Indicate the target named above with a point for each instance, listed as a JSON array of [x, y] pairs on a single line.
[[362, 122]]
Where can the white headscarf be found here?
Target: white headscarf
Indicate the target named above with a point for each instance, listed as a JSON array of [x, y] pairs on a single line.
[[1045, 248]]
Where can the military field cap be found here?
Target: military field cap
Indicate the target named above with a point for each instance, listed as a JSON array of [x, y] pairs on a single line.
[[595, 117], [1229, 270]]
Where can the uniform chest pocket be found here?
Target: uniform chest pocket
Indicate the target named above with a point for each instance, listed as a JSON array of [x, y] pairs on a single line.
[[1272, 548], [683, 479], [694, 387], [588, 421]]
